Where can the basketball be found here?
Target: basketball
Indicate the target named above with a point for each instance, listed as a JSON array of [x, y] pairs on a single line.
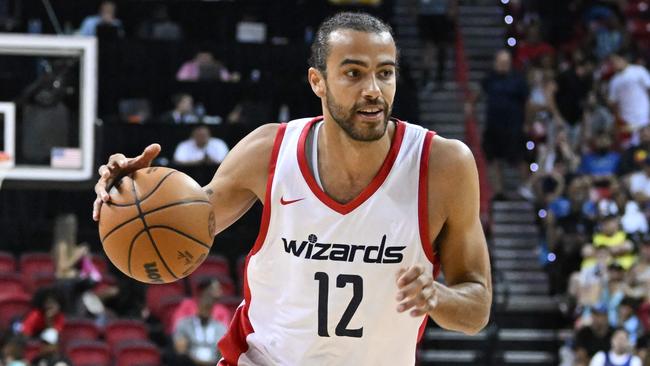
[[158, 226]]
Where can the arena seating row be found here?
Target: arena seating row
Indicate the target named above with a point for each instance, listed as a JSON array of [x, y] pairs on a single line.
[[19, 279]]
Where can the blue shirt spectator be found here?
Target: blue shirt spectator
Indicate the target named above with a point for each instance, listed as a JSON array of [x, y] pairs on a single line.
[[106, 16], [602, 160], [595, 164]]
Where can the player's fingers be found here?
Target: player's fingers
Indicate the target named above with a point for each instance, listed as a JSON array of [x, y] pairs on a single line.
[[410, 275], [100, 190], [97, 205], [414, 301], [422, 301], [147, 156], [418, 312], [399, 273], [102, 170], [116, 160], [414, 288], [428, 305]]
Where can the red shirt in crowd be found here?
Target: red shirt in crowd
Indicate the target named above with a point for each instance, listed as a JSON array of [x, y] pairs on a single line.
[[527, 52], [34, 323]]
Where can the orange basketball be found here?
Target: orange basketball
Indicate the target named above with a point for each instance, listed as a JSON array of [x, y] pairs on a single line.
[[158, 226]]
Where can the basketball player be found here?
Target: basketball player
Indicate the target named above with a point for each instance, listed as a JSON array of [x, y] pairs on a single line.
[[360, 212]]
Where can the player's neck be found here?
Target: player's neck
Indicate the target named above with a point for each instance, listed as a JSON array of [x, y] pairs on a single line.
[[347, 166], [335, 145]]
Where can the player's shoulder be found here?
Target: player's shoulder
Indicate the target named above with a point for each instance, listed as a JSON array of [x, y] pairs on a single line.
[[449, 155], [260, 141]]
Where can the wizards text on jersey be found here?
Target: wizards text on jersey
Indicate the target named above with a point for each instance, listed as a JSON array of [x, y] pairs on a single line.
[[311, 249]]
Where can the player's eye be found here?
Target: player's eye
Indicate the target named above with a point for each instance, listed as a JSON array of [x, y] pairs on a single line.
[[353, 73], [386, 74]]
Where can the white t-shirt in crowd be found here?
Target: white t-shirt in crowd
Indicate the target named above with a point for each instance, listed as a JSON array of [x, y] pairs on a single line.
[[188, 152], [599, 359], [629, 90], [640, 183]]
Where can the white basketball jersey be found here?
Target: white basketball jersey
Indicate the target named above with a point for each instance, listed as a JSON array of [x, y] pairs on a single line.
[[320, 282]]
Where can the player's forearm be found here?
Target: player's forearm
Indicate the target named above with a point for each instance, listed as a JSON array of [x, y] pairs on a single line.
[[464, 307]]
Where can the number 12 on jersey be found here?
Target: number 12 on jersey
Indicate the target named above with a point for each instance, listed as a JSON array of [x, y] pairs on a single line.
[[342, 280]]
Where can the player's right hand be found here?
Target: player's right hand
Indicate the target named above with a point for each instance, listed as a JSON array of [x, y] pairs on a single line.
[[118, 166]]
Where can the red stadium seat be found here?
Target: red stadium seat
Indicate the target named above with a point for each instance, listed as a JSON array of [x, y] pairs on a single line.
[[13, 307], [156, 293], [11, 284], [78, 329], [89, 353], [166, 310], [38, 280], [125, 330], [100, 262], [32, 349], [227, 284], [36, 262], [137, 353], [213, 265], [7, 262]]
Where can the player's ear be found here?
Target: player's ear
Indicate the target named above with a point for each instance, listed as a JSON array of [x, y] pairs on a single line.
[[317, 82]]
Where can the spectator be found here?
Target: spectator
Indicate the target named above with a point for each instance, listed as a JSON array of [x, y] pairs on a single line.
[[204, 67], [609, 38], [573, 86], [106, 17], [200, 149], [640, 274], [195, 336], [49, 353], [13, 352], [628, 96], [634, 157], [435, 25], [209, 287], [626, 318], [612, 237], [641, 271], [506, 92], [533, 48], [596, 119], [620, 353], [640, 184], [603, 160], [594, 337], [75, 272], [160, 27], [183, 112], [45, 314], [634, 221], [586, 286]]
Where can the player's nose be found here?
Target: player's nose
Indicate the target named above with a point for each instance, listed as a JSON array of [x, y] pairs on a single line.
[[371, 88]]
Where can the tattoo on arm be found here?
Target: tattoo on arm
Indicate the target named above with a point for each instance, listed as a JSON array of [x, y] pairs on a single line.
[[209, 191]]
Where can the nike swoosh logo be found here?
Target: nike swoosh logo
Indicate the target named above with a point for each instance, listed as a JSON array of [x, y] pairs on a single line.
[[283, 202]]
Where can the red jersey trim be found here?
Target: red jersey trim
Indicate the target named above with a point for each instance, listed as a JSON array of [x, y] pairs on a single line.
[[234, 344], [423, 327], [345, 208], [423, 202]]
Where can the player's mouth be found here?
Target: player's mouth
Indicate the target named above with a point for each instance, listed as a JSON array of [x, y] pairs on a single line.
[[371, 113]]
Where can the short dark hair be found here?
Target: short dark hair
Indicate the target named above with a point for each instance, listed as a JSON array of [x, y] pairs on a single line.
[[362, 22]]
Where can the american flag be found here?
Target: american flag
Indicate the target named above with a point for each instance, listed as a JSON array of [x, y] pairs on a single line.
[[66, 157]]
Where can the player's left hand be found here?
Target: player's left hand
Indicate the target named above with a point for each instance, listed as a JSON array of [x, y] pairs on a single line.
[[417, 291]]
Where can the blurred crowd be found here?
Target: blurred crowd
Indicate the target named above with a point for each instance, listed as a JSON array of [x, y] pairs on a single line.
[[568, 109], [71, 307]]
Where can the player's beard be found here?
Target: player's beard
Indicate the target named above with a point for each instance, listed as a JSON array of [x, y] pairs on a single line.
[[358, 131]]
